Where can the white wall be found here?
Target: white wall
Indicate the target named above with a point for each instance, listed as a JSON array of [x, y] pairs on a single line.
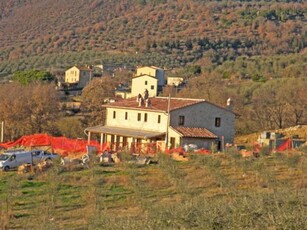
[[72, 75], [139, 86], [155, 72], [132, 121]]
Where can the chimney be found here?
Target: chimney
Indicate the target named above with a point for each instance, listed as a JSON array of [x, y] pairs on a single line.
[[147, 102], [139, 99], [230, 104]]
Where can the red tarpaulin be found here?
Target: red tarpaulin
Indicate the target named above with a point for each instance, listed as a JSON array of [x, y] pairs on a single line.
[[285, 145], [174, 150], [65, 146], [62, 145], [202, 151]]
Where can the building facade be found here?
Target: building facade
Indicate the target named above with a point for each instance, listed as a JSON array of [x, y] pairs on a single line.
[[153, 71], [148, 78], [176, 121], [78, 77], [142, 83]]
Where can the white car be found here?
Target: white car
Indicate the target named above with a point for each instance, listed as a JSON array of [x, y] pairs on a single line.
[[41, 155]]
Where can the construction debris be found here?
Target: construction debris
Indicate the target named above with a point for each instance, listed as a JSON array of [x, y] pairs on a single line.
[[179, 156]]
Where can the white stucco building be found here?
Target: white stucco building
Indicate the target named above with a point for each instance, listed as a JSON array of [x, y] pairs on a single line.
[[153, 71], [149, 78], [78, 76], [175, 121]]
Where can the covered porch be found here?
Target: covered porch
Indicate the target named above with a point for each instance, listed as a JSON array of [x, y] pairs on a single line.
[[123, 139]]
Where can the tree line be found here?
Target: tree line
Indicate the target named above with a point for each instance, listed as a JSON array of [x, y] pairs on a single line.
[[273, 104], [260, 105]]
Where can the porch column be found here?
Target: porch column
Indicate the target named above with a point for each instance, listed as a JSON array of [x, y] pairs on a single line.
[[101, 140], [89, 138]]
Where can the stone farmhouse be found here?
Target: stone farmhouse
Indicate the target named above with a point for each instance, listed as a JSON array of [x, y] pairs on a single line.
[[173, 121]]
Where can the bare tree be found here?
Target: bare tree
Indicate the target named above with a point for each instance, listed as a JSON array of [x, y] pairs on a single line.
[[28, 109], [294, 91], [94, 96], [280, 103]]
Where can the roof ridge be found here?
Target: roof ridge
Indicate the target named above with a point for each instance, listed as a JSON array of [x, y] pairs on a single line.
[[182, 98]]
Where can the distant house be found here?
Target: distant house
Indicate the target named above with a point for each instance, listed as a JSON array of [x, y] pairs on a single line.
[[153, 71], [273, 140], [142, 82], [148, 78], [78, 77], [174, 81], [176, 122]]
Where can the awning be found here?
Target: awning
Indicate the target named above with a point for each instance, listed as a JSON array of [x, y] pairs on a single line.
[[136, 133]]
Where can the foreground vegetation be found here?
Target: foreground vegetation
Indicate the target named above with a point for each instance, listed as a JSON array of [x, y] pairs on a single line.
[[222, 191]]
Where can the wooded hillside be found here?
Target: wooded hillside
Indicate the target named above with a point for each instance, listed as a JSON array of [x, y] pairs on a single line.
[[44, 33]]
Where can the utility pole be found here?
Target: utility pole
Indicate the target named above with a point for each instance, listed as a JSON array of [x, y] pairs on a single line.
[[168, 120], [2, 131]]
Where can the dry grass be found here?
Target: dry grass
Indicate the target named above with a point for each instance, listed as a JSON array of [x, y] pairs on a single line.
[[207, 192], [300, 131]]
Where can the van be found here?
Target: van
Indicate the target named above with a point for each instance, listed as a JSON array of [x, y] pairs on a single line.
[[11, 160]]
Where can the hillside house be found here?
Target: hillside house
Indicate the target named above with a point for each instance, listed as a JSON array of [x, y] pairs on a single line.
[[143, 82], [174, 81], [273, 140], [148, 78], [78, 77], [175, 121], [153, 71]]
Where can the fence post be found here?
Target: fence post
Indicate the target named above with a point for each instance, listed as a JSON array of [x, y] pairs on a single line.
[[2, 131]]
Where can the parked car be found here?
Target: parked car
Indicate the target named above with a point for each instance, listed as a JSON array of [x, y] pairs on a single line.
[[41, 155], [11, 160]]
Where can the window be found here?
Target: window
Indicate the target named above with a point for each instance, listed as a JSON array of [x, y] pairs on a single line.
[[159, 119], [217, 122], [146, 82], [181, 120], [114, 114], [126, 116], [152, 87], [145, 117], [139, 116]]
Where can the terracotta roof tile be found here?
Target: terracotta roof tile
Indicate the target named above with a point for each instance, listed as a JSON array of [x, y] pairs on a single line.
[[194, 132], [156, 103], [142, 75], [84, 68]]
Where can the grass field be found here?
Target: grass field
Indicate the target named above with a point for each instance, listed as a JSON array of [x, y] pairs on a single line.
[[222, 191]]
